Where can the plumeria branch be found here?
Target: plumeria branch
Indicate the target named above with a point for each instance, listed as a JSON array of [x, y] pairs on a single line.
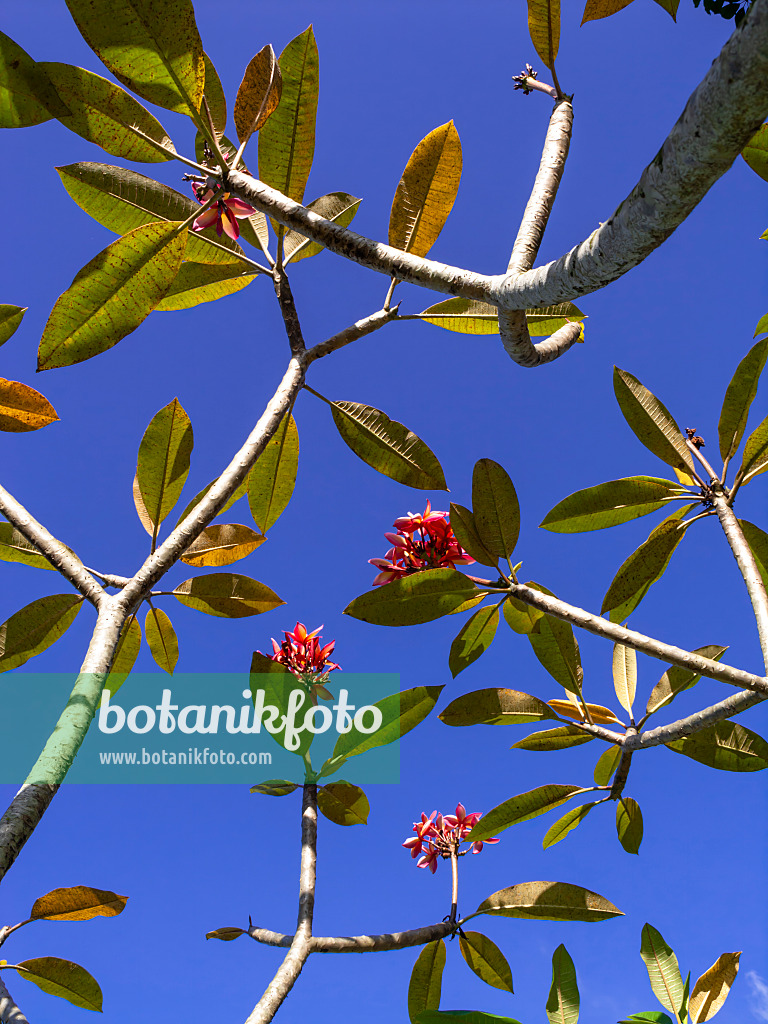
[[9, 1011], [357, 330], [720, 117], [361, 943], [58, 554], [301, 943]]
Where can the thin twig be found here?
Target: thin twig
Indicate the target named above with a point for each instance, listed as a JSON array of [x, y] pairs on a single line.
[[360, 943], [357, 330], [289, 312]]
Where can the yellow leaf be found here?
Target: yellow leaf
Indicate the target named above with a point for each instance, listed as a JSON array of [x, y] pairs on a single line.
[[603, 9], [544, 27], [712, 988], [259, 93], [22, 408], [426, 192], [222, 545], [77, 903], [600, 714], [141, 508]]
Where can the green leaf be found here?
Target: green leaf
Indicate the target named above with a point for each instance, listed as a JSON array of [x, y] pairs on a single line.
[[36, 627], [756, 152], [712, 988], [163, 462], [758, 543], [495, 707], [26, 94], [549, 901], [112, 295], [388, 446], [14, 547], [426, 192], [275, 787], [544, 28], [287, 140], [644, 567], [569, 821], [126, 653], [77, 903], [236, 496], [522, 808], [470, 316], [563, 1000], [629, 824], [495, 508], [474, 638], [625, 675], [677, 679], [162, 640], [670, 6], [649, 1016], [726, 746], [337, 207], [421, 597], [106, 115], [122, 200], [485, 959], [755, 457], [259, 93], [461, 1017], [611, 503], [606, 765], [273, 477], [554, 739], [400, 712], [651, 421], [520, 617], [343, 803], [203, 282], [762, 325], [151, 46], [22, 408], [663, 971], [556, 647], [214, 96], [739, 397], [465, 530], [227, 595], [222, 545], [10, 319], [64, 979], [426, 981]]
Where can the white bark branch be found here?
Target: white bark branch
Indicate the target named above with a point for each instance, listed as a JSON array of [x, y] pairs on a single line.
[[58, 554], [9, 1011], [301, 944], [360, 943], [721, 116]]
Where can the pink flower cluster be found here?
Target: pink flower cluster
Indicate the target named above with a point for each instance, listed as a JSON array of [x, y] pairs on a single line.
[[302, 654], [440, 835], [421, 542]]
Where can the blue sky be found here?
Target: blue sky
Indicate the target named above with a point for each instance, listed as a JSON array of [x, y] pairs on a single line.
[[195, 858]]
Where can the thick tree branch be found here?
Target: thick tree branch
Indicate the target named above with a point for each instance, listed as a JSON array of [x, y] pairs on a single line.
[[655, 648], [360, 943], [301, 944], [9, 1011], [719, 119], [699, 720], [747, 566], [58, 554]]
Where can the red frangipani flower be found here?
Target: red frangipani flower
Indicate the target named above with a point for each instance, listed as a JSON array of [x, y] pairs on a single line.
[[421, 542], [224, 213], [302, 654], [441, 835]]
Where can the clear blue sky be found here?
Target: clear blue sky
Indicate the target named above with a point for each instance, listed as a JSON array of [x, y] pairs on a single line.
[[195, 858]]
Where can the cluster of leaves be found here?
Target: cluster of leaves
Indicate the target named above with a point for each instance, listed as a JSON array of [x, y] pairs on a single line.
[[53, 975], [562, 1007]]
